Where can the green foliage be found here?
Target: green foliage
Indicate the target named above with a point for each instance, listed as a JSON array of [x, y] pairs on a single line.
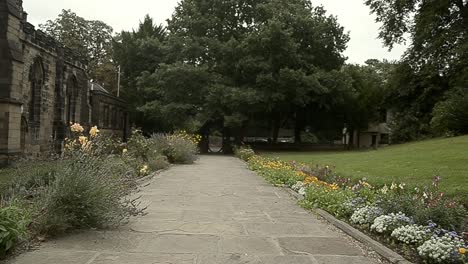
[[13, 227], [173, 95], [406, 127], [216, 68], [440, 210], [244, 153], [412, 163], [434, 64], [139, 52], [29, 181], [91, 40], [275, 171], [138, 146], [332, 201], [363, 102], [177, 149], [85, 194], [158, 162], [451, 115]]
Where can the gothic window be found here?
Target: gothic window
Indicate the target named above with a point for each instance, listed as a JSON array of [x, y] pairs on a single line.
[[71, 100], [106, 116], [37, 82]]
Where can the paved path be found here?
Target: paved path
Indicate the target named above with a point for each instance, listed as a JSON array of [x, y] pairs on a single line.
[[213, 212]]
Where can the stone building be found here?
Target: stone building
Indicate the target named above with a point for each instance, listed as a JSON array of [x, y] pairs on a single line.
[[44, 87]]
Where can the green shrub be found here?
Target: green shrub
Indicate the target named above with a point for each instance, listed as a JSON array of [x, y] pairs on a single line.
[[84, 194], [333, 201], [409, 126], [275, 171], [30, 179], [244, 153], [13, 227], [445, 213], [451, 115], [138, 146], [177, 149], [158, 162]]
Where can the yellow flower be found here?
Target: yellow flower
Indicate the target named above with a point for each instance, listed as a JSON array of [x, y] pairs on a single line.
[[93, 131], [124, 151], [76, 128], [144, 170], [462, 250], [83, 140]]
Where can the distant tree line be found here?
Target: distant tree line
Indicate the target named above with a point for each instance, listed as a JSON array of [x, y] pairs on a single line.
[[229, 66]]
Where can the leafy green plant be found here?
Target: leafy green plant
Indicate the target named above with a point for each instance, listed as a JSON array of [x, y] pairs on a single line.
[[332, 201], [451, 115], [178, 149], [13, 227], [138, 146], [84, 194], [244, 153], [158, 162]]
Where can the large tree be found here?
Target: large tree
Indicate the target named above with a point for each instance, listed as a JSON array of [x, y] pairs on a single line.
[[263, 59], [435, 62], [91, 40], [139, 52]]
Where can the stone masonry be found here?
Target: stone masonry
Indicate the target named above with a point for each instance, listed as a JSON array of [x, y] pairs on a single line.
[[43, 87]]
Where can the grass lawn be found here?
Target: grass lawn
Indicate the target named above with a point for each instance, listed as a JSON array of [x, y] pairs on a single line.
[[413, 163]]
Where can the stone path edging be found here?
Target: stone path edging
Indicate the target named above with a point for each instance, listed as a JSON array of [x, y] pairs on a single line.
[[382, 250]]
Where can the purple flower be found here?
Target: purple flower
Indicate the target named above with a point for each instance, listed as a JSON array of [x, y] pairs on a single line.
[[432, 224]]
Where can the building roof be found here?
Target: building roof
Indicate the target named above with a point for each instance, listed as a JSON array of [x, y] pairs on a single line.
[[97, 87]]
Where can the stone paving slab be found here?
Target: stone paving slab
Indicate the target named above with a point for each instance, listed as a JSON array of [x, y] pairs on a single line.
[[213, 212]]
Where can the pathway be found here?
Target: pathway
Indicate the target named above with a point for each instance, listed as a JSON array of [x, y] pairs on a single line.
[[213, 212]]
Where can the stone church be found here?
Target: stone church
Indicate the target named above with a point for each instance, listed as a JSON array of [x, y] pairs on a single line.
[[44, 87]]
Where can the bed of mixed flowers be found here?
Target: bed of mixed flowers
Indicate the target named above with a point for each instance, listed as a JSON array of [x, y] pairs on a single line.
[[421, 223]]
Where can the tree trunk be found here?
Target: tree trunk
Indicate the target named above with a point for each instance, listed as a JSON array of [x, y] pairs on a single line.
[[276, 128], [204, 144], [227, 147], [298, 126]]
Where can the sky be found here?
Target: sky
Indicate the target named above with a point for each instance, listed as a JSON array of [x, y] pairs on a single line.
[[125, 15]]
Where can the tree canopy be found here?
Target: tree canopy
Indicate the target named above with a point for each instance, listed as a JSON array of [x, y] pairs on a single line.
[[259, 59], [436, 61], [91, 40]]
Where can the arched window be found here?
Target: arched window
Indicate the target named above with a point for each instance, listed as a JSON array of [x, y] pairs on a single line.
[[37, 82], [71, 100]]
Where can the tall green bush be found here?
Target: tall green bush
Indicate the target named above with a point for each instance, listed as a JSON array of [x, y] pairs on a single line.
[[84, 194], [13, 227], [177, 149], [451, 115]]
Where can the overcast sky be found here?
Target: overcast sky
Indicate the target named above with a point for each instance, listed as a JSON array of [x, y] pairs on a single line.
[[125, 15]]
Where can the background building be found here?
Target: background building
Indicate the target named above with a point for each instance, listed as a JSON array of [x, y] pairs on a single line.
[[44, 87]]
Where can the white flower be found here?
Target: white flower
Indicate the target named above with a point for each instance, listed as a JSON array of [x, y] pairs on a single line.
[[384, 189], [302, 191], [366, 215], [411, 234], [387, 223], [296, 187], [440, 249], [393, 187]]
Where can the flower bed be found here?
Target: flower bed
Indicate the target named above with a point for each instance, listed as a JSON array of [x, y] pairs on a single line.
[[420, 223], [87, 186]]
